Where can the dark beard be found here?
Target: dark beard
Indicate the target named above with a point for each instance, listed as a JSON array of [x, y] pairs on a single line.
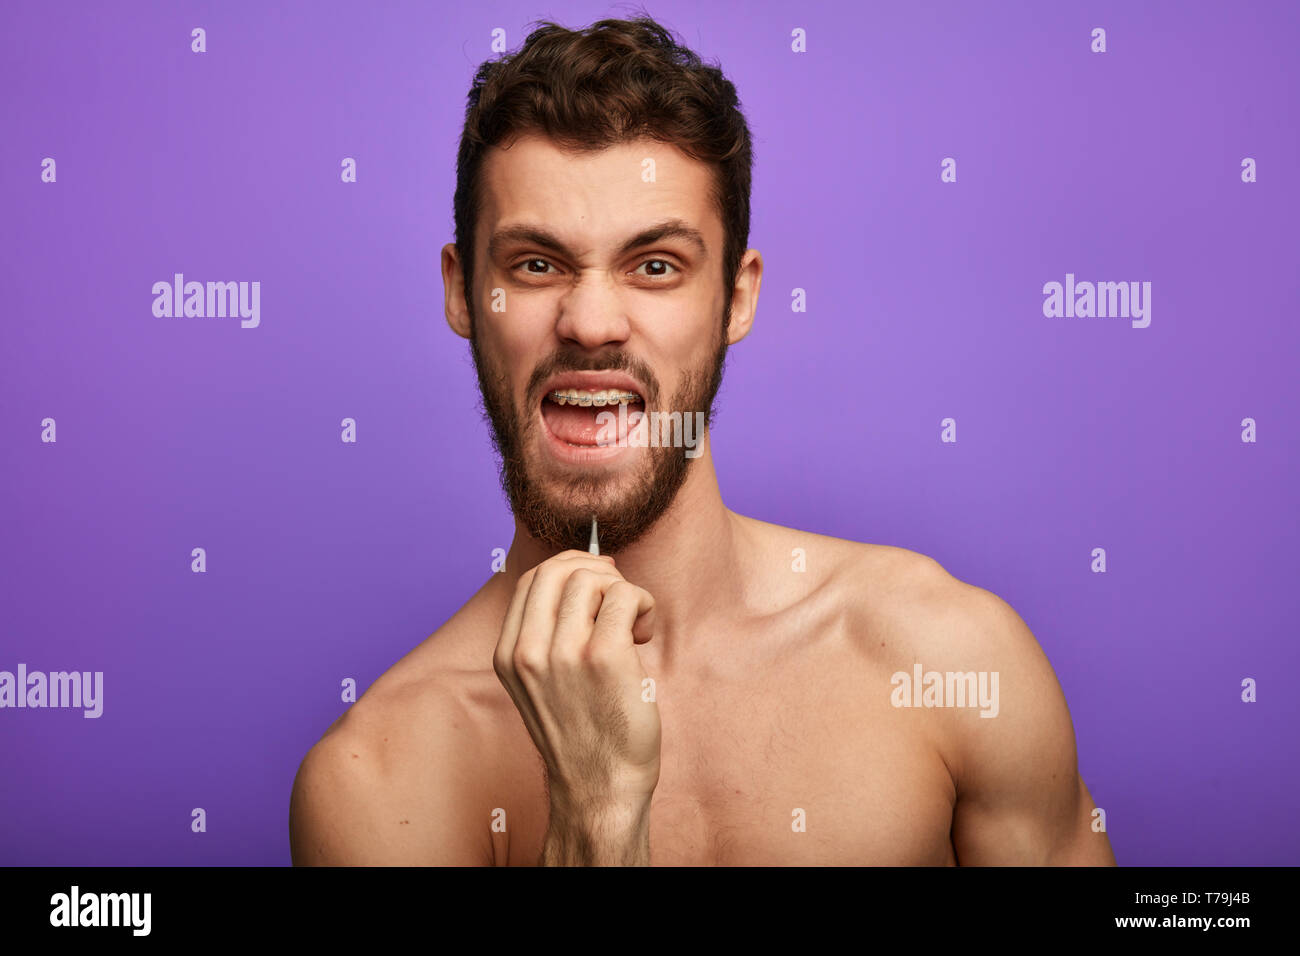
[[566, 523]]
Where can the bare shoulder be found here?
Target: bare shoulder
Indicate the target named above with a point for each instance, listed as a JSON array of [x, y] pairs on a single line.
[[903, 592], [949, 619], [400, 777], [827, 569], [901, 609], [1003, 726], [929, 613], [888, 584], [946, 625]]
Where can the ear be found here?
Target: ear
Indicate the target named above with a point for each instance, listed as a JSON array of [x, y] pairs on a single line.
[[744, 302], [453, 285]]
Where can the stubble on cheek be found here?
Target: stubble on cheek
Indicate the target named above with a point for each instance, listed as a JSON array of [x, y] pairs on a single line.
[[557, 509]]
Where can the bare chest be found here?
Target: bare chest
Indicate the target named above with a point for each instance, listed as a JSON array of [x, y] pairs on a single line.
[[779, 774]]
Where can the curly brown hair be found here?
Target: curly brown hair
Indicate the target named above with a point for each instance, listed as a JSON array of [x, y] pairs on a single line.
[[615, 81]]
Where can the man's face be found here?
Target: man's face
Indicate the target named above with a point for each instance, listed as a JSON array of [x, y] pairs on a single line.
[[563, 303]]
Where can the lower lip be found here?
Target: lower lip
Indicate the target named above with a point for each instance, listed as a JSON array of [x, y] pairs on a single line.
[[581, 454]]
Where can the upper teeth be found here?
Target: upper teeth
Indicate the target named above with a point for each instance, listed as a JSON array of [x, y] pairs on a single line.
[[583, 396]]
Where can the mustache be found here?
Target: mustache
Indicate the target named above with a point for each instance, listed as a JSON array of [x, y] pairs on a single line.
[[615, 361]]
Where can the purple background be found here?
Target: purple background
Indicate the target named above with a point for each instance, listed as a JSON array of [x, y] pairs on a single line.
[[328, 560]]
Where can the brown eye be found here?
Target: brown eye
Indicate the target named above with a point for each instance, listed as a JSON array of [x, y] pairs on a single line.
[[658, 274], [531, 262]]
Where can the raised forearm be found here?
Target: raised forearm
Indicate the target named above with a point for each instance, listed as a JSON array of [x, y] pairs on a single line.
[[603, 838]]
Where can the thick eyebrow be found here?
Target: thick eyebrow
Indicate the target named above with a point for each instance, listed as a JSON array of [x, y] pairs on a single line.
[[543, 238]]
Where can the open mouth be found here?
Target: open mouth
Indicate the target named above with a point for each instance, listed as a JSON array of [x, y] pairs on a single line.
[[591, 418]]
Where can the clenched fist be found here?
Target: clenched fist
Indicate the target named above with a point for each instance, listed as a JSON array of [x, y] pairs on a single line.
[[568, 659]]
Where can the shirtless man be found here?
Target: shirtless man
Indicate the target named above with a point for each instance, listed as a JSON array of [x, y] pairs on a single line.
[[721, 690]]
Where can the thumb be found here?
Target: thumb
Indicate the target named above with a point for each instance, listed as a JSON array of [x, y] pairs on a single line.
[[643, 627]]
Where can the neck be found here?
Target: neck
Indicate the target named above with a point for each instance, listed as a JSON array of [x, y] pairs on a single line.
[[689, 560]]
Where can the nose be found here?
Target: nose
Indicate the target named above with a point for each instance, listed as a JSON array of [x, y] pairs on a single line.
[[592, 315]]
